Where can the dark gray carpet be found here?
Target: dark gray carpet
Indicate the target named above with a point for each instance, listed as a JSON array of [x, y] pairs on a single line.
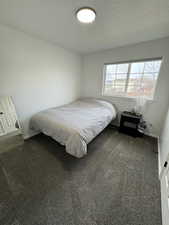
[[115, 184]]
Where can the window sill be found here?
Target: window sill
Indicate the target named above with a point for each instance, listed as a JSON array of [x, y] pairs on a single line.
[[127, 98]]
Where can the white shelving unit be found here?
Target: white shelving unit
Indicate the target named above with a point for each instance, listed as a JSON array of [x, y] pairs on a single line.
[[10, 130]]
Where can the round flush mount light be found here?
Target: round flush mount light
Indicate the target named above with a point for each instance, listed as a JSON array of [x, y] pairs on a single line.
[[86, 15]]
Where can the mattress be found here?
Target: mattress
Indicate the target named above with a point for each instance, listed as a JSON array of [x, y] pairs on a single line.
[[76, 124]]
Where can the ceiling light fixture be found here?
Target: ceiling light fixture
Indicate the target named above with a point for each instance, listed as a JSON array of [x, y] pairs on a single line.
[[86, 15]]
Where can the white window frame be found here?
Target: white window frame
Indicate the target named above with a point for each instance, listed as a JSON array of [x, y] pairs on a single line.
[[128, 73]]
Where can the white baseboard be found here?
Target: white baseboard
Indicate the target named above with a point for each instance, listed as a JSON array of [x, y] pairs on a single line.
[[27, 136], [159, 160], [151, 135]]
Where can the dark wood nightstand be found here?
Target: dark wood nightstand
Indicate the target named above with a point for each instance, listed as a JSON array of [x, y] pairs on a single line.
[[129, 123]]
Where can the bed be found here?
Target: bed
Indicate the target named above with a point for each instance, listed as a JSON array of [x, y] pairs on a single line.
[[76, 124]]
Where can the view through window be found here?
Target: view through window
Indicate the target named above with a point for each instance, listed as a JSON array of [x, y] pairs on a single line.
[[132, 79]]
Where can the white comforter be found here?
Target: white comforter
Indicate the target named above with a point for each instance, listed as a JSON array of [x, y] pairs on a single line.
[[76, 124]]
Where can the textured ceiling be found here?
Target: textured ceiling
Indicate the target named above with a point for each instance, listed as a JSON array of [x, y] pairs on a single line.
[[118, 22]]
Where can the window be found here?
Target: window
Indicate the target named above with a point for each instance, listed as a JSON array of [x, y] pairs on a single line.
[[131, 79]]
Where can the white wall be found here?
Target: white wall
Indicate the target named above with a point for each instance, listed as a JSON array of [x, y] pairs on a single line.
[[37, 74], [164, 139], [163, 152], [93, 77]]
